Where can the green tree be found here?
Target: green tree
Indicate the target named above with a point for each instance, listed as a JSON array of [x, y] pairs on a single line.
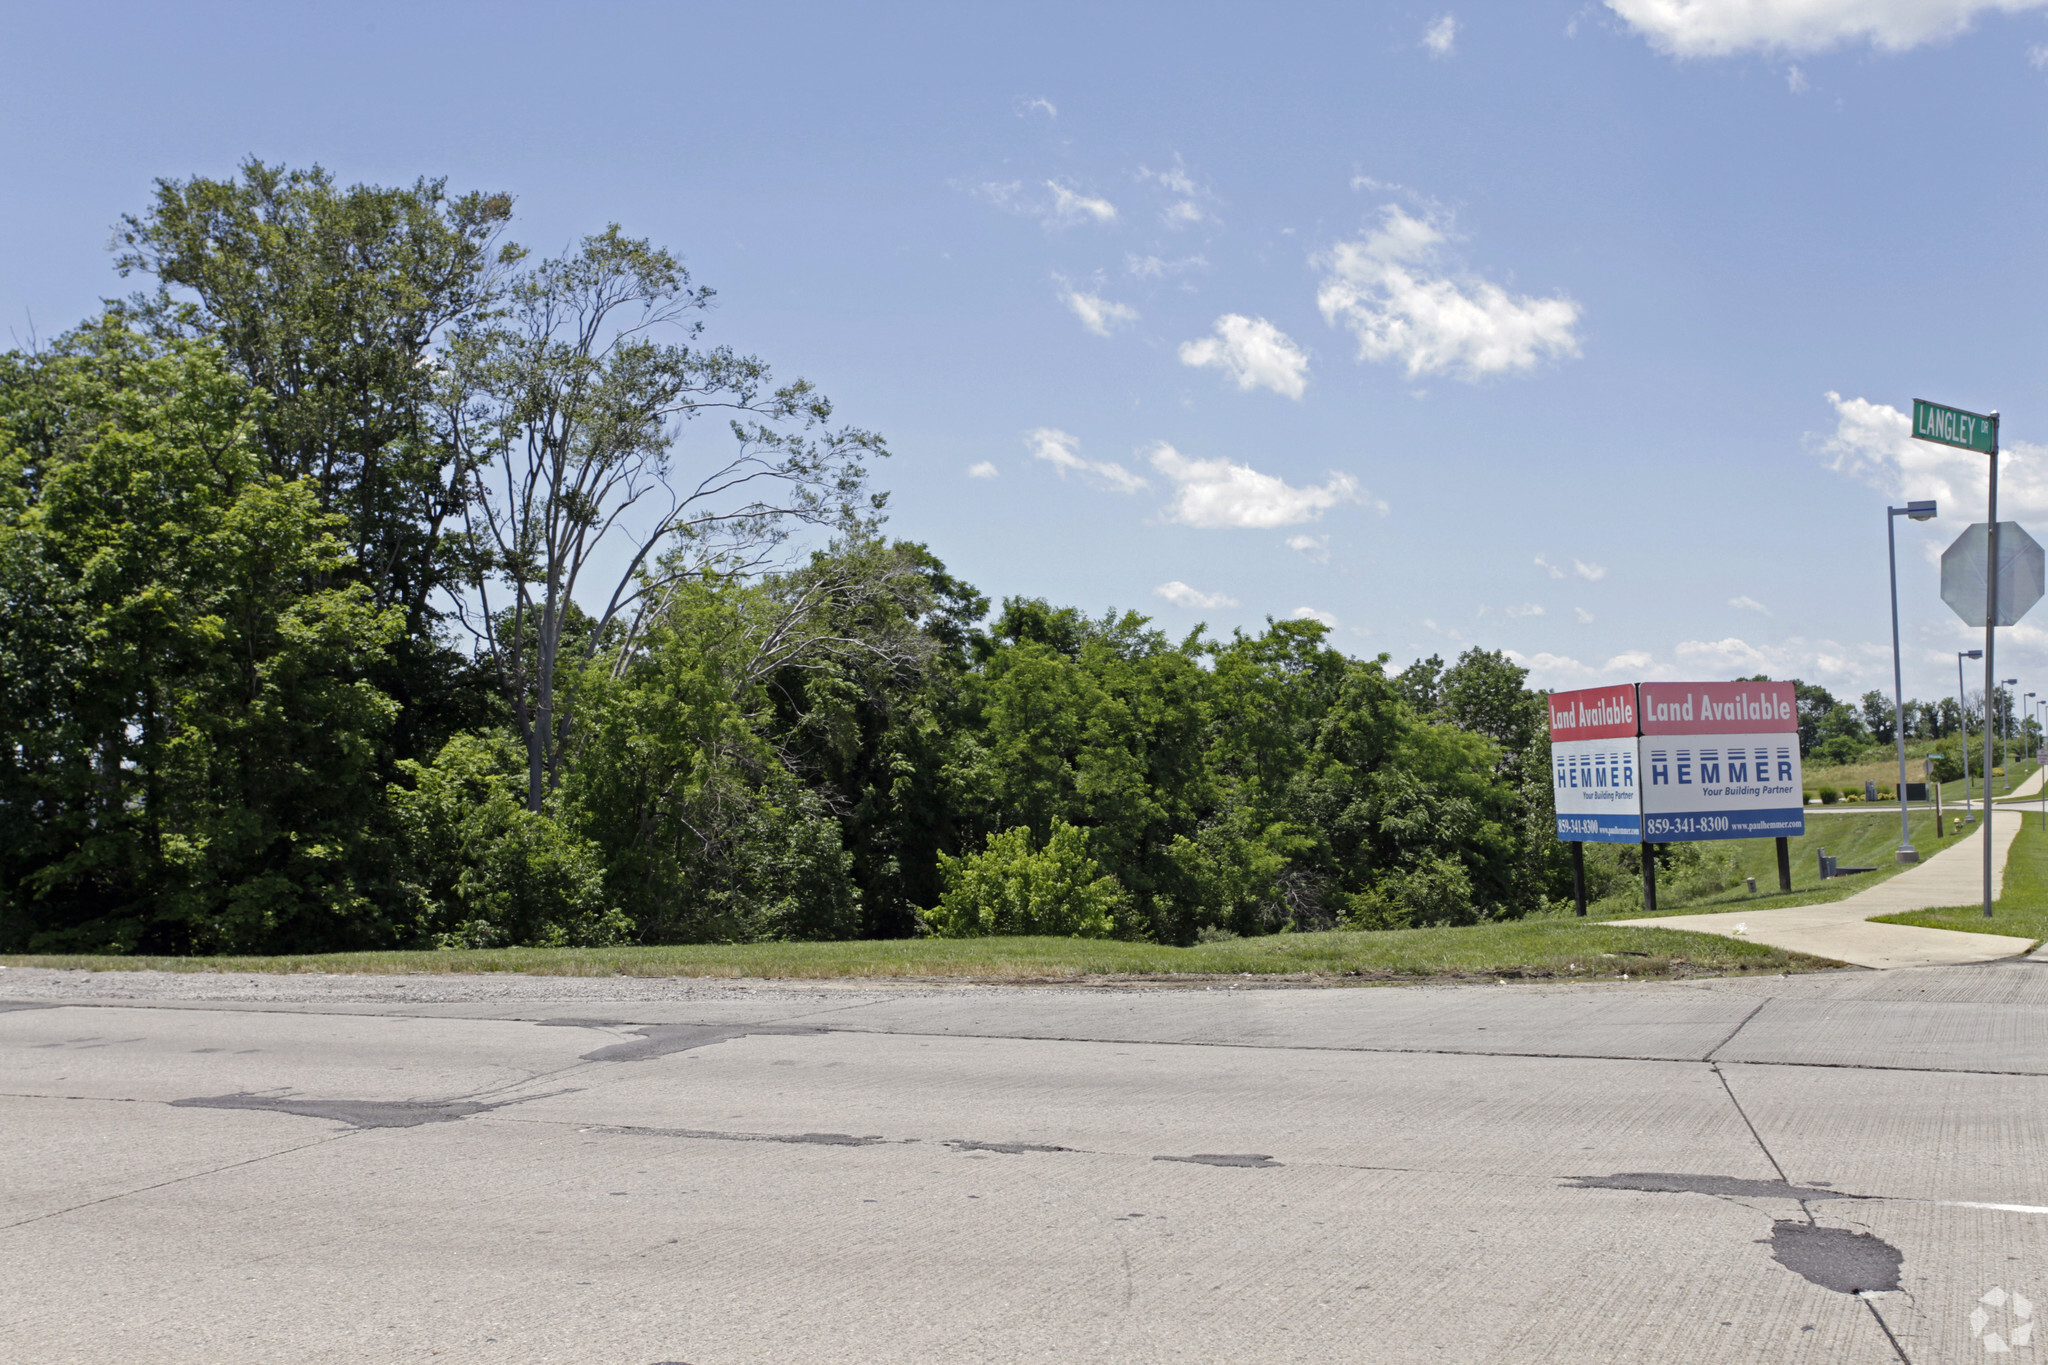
[[193, 747], [575, 407]]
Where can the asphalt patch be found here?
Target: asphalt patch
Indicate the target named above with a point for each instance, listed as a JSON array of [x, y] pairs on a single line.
[[360, 1113], [9, 1006], [1836, 1258], [1661, 1182], [1007, 1148], [1223, 1159], [659, 1040]]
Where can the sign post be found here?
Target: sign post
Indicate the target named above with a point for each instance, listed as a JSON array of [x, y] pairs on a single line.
[[1978, 432]]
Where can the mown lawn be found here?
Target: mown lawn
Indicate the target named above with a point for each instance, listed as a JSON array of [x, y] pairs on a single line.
[[1527, 950], [2022, 907]]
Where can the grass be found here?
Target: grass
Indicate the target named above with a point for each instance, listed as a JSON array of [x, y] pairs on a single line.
[[1884, 771], [1865, 839], [1541, 949], [2021, 909]]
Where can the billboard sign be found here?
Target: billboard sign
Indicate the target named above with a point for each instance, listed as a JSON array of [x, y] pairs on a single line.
[[1593, 765], [1720, 761]]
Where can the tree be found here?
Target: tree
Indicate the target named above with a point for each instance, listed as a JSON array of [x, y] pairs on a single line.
[[332, 301], [193, 739], [575, 407]]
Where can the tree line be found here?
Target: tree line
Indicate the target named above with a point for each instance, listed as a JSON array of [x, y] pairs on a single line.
[[372, 583]]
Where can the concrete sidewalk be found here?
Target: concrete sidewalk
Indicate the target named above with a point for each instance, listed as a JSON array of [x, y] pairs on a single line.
[[1841, 930]]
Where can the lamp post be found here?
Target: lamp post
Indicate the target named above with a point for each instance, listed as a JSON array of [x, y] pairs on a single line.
[[1963, 721], [2004, 743], [1918, 511], [2027, 706]]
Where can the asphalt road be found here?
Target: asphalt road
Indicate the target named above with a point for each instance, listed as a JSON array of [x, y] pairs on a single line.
[[244, 1169]]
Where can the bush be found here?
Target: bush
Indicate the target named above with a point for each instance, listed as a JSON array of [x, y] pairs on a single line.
[[1828, 796], [1435, 891], [1009, 889], [1947, 768], [482, 871]]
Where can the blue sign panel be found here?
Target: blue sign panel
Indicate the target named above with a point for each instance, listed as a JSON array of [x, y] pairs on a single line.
[[1597, 797]]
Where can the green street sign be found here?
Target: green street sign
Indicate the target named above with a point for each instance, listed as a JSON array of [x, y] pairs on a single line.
[[1954, 427]]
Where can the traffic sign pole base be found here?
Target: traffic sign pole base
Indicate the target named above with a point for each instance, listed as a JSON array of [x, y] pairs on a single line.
[[1909, 855]]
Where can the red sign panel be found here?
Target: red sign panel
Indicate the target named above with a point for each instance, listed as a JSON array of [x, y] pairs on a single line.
[[1718, 708], [1594, 713]]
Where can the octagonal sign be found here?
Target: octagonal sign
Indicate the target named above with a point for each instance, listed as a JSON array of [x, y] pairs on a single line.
[[2022, 573]]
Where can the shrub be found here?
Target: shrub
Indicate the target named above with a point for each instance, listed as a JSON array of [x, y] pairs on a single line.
[[1010, 889], [1947, 768], [1437, 890], [1828, 796]]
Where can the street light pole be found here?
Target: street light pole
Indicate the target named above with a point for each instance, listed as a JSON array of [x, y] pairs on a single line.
[[1918, 511], [1963, 723], [2004, 736]]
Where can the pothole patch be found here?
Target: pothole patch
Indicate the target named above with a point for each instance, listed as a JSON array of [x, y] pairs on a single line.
[[1007, 1148], [1665, 1182], [659, 1040], [1836, 1258], [1223, 1159], [358, 1113]]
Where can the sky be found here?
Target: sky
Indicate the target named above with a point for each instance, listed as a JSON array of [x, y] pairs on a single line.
[[1583, 331]]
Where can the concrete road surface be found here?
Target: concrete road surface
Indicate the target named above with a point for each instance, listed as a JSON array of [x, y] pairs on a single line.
[[1845, 1167]]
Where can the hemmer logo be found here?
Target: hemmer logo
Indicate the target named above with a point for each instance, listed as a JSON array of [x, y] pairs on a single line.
[[2002, 1321]]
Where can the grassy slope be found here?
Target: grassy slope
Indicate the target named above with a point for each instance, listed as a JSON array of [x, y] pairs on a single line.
[[2022, 907], [1533, 949], [1864, 839], [1885, 772]]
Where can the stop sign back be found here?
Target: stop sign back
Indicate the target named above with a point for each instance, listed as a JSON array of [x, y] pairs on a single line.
[[2022, 573]]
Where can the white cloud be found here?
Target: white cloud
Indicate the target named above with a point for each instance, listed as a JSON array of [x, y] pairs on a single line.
[[1526, 609], [1751, 604], [1217, 493], [1795, 81], [2037, 55], [1061, 451], [1441, 36], [1592, 573], [1098, 314], [1728, 655], [1158, 268], [985, 470], [1561, 670], [1716, 28], [1387, 288], [1585, 617], [1314, 547], [1040, 105], [1187, 207], [1873, 443], [1252, 351], [1181, 595], [1549, 567], [1071, 206], [1311, 614]]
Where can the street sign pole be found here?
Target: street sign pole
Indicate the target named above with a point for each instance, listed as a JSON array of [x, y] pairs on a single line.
[[1979, 432], [1990, 667]]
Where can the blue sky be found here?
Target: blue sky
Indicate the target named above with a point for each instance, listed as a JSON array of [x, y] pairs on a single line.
[[1579, 330]]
